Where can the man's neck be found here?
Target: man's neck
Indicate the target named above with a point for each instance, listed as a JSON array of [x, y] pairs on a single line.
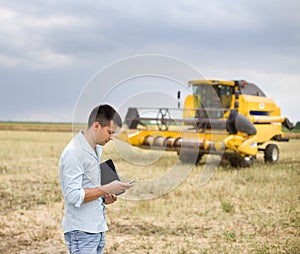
[[88, 134]]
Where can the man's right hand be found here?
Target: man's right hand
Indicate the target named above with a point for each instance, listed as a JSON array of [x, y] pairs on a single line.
[[116, 187]]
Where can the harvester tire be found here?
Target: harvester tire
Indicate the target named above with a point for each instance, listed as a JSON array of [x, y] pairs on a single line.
[[271, 153], [185, 157], [241, 162]]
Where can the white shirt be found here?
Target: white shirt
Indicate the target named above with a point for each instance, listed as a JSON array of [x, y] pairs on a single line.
[[79, 168]]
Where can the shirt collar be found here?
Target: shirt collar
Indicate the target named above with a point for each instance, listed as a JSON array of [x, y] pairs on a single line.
[[84, 144]]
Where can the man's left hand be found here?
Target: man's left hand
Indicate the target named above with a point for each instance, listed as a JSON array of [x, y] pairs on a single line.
[[110, 198]]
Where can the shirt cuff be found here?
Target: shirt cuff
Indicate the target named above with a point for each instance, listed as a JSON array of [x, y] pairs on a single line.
[[81, 198]]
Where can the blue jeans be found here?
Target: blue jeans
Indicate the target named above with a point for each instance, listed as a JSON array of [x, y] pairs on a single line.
[[80, 242]]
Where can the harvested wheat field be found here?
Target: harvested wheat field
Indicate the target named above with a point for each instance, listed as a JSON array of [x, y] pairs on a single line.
[[249, 210]]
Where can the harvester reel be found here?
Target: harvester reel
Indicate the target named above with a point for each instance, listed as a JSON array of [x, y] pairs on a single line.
[[160, 119]]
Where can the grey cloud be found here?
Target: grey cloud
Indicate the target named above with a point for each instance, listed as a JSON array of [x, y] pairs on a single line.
[[57, 43], [86, 27]]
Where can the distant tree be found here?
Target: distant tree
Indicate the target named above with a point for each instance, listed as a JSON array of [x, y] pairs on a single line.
[[297, 126]]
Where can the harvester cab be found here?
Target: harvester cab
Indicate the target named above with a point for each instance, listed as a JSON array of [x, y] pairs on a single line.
[[234, 119]]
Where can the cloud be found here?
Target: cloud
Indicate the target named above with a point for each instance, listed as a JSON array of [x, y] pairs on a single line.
[[26, 38], [247, 39], [92, 28]]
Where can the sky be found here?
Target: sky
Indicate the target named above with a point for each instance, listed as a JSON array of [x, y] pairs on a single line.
[[50, 50]]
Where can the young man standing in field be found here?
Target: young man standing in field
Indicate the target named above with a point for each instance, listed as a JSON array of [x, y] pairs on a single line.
[[84, 223]]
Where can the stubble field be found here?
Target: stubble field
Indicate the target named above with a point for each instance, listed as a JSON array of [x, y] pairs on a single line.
[[251, 210]]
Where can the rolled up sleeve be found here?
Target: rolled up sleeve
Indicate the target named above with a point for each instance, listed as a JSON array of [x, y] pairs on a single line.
[[71, 177], [81, 198]]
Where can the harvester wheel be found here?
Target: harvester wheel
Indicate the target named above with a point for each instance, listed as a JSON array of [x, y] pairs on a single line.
[[271, 153], [185, 157], [241, 162]]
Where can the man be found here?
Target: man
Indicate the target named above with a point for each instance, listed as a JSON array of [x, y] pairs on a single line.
[[84, 223]]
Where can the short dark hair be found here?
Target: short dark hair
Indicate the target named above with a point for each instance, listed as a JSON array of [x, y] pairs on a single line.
[[103, 114]]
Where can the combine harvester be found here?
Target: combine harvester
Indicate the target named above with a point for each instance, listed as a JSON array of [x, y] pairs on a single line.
[[233, 119]]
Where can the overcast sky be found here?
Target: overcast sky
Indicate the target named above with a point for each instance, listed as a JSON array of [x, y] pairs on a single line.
[[50, 49]]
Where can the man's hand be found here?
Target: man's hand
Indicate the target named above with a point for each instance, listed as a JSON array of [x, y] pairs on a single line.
[[109, 199], [115, 187]]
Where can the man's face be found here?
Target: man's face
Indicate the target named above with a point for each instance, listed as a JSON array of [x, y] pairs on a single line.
[[103, 134]]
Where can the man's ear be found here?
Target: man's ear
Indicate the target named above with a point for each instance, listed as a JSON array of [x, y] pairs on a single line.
[[96, 125]]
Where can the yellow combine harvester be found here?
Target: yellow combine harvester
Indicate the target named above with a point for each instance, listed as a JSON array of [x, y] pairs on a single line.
[[230, 118]]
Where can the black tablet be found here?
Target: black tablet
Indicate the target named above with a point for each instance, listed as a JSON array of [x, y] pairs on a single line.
[[108, 172]]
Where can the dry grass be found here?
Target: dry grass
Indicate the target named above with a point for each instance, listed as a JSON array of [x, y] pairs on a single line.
[[292, 135], [253, 210], [32, 126]]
